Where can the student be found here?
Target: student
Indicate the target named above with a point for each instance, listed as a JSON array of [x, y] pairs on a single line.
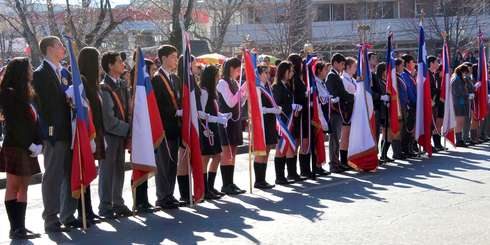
[[270, 131], [18, 157], [167, 92], [88, 62], [231, 98], [115, 111], [460, 95], [283, 95], [209, 130], [54, 113]]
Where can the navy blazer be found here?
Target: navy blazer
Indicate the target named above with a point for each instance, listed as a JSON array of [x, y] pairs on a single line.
[[54, 110]]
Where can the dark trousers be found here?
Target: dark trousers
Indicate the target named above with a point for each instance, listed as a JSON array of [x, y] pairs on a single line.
[[56, 184], [333, 142], [111, 174], [166, 160]]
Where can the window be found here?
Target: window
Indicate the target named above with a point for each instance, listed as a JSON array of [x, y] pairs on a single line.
[[353, 11], [338, 12], [374, 10], [388, 10], [323, 12]]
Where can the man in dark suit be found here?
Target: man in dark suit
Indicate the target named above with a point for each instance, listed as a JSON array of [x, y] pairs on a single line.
[[115, 116], [167, 92], [56, 126], [341, 100], [376, 91]]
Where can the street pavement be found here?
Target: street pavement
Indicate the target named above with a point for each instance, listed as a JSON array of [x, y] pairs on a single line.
[[441, 200]]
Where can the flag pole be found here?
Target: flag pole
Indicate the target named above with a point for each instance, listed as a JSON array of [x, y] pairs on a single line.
[[82, 188], [189, 171], [308, 48], [250, 153]]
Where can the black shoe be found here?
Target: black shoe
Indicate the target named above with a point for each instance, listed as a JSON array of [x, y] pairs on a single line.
[[320, 171], [75, 224], [282, 181], [145, 208], [216, 192], [167, 204], [93, 218], [336, 169], [386, 159], [263, 185], [461, 144], [23, 234], [399, 157], [209, 195], [122, 211], [107, 214], [55, 228]]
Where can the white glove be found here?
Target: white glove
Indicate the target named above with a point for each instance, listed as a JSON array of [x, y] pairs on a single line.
[[35, 149], [92, 146], [385, 98], [227, 115], [477, 85], [69, 92], [335, 100], [277, 110], [223, 120], [267, 110], [296, 107], [105, 145], [471, 96], [203, 115], [178, 113]]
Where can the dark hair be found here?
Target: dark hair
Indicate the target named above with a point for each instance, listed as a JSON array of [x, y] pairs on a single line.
[[46, 42], [208, 81], [337, 58], [297, 62], [262, 68], [320, 65], [278, 61], [180, 67], [370, 54], [123, 55], [88, 62], [474, 70], [431, 59], [148, 64], [166, 50], [349, 61], [380, 70], [109, 58], [398, 61], [230, 63], [16, 78], [407, 58], [461, 69], [282, 68]]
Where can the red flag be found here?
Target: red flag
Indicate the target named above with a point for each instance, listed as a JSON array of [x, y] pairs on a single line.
[[255, 107], [318, 124], [482, 91], [147, 127], [190, 126], [83, 169], [449, 120]]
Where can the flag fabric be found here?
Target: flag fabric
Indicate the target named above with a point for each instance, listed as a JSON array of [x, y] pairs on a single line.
[[190, 126], [449, 120], [147, 127], [318, 121], [392, 87], [482, 91], [254, 104], [423, 117], [362, 151], [83, 169]]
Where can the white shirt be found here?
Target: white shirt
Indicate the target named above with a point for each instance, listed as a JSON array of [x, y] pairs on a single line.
[[167, 73], [56, 68], [322, 90], [349, 83], [230, 99]]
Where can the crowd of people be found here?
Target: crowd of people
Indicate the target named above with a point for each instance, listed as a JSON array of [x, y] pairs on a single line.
[[37, 117]]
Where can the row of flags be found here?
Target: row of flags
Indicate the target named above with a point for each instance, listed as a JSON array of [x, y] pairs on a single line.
[[148, 131]]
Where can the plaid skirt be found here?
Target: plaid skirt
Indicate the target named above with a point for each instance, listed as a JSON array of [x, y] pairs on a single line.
[[17, 161]]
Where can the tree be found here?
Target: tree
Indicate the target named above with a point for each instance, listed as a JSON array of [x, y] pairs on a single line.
[[222, 13]]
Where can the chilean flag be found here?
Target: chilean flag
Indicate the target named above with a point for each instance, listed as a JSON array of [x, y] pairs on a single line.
[[363, 152], [449, 120], [392, 87], [147, 127], [254, 105], [318, 121], [190, 126], [83, 169], [423, 117], [482, 91]]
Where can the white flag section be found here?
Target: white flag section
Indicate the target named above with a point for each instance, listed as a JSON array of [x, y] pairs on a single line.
[[361, 139], [142, 152], [449, 120]]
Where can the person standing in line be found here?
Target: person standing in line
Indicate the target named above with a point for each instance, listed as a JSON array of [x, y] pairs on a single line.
[[115, 110], [55, 119], [22, 145]]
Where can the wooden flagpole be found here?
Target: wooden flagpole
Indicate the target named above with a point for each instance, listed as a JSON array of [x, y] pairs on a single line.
[[82, 187]]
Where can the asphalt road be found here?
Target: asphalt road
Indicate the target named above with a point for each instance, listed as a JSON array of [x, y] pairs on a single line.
[[442, 200]]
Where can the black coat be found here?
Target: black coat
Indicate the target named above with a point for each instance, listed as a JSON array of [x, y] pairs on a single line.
[[51, 100], [377, 91], [284, 98], [336, 88], [171, 123], [21, 127]]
